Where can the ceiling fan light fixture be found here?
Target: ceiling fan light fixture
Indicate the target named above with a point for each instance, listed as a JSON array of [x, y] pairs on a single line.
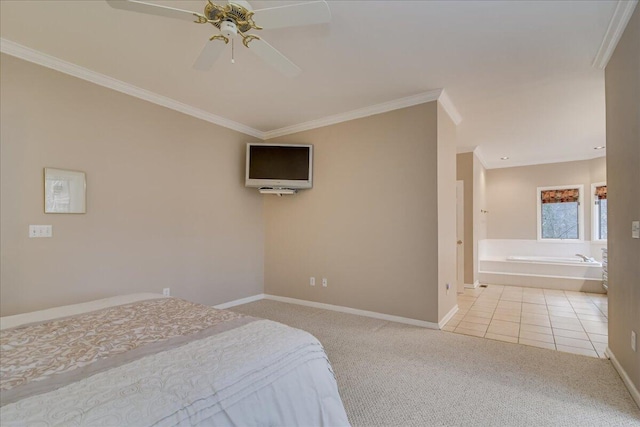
[[235, 18], [229, 29]]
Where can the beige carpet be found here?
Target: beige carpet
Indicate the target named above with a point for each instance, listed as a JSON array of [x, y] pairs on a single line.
[[399, 375]]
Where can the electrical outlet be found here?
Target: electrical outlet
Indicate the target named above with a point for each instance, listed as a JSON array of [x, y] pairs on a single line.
[[166, 292], [312, 281], [634, 342], [324, 282], [635, 229]]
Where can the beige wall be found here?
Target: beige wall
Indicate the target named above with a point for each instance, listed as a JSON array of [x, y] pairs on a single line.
[[622, 85], [446, 187], [370, 223], [464, 172], [511, 195], [166, 203]]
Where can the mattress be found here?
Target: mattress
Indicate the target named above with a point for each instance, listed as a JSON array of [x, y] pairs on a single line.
[[147, 360]]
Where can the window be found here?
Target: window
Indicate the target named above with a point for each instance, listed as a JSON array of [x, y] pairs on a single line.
[[599, 215], [560, 213]]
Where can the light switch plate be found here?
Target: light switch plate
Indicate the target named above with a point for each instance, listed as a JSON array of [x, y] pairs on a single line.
[[635, 229], [36, 231]]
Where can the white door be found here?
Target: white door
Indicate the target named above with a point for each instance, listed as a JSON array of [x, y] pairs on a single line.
[[460, 235]]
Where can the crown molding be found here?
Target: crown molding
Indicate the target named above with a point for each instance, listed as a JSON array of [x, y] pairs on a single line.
[[475, 149], [448, 106], [478, 152], [409, 101], [467, 149], [498, 164], [31, 55], [617, 24]]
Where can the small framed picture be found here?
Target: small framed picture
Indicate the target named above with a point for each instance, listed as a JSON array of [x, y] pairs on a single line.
[[64, 191]]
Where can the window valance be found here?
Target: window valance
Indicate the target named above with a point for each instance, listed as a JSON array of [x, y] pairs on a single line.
[[601, 192], [567, 195]]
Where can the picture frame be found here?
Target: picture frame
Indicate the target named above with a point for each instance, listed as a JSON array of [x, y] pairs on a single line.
[[64, 191]]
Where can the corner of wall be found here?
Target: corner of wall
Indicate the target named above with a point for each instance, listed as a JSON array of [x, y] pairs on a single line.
[[622, 88], [446, 188]]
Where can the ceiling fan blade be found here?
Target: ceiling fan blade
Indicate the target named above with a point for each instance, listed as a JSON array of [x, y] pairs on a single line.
[[315, 12], [209, 55], [273, 57], [154, 9]]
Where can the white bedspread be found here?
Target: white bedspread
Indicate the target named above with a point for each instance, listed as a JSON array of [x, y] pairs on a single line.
[[262, 373]]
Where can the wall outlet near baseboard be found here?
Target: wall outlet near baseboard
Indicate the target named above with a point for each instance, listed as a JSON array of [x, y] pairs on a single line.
[[166, 292], [312, 281], [634, 341], [324, 282]]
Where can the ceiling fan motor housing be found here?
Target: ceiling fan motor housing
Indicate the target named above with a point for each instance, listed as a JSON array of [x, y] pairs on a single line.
[[228, 29]]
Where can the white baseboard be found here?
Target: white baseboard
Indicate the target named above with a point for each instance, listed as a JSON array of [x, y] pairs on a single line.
[[448, 316], [240, 301], [625, 378], [472, 286], [356, 311]]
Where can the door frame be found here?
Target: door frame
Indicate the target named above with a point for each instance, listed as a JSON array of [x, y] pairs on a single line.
[[460, 236]]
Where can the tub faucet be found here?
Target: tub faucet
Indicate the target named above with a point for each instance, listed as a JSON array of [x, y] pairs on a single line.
[[584, 258]]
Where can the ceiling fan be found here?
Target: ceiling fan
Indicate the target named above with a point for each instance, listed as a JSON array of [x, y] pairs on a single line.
[[235, 18]]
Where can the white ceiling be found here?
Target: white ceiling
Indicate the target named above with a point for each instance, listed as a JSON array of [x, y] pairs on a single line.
[[518, 72]]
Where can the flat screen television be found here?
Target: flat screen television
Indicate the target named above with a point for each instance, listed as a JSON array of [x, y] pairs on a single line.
[[279, 166]]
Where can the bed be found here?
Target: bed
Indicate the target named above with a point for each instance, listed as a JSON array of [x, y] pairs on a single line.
[[145, 359]]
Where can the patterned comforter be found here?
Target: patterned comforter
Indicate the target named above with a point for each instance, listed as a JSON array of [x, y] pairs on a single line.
[[162, 362]]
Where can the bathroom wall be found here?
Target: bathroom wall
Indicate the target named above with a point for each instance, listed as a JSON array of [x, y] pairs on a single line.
[[512, 208], [512, 195]]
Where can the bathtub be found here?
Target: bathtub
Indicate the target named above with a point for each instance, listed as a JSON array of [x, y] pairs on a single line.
[[562, 272], [553, 260]]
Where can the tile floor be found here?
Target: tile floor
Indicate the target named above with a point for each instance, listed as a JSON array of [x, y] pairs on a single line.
[[573, 322]]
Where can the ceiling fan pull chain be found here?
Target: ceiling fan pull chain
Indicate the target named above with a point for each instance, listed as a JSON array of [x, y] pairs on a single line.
[[233, 60]]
